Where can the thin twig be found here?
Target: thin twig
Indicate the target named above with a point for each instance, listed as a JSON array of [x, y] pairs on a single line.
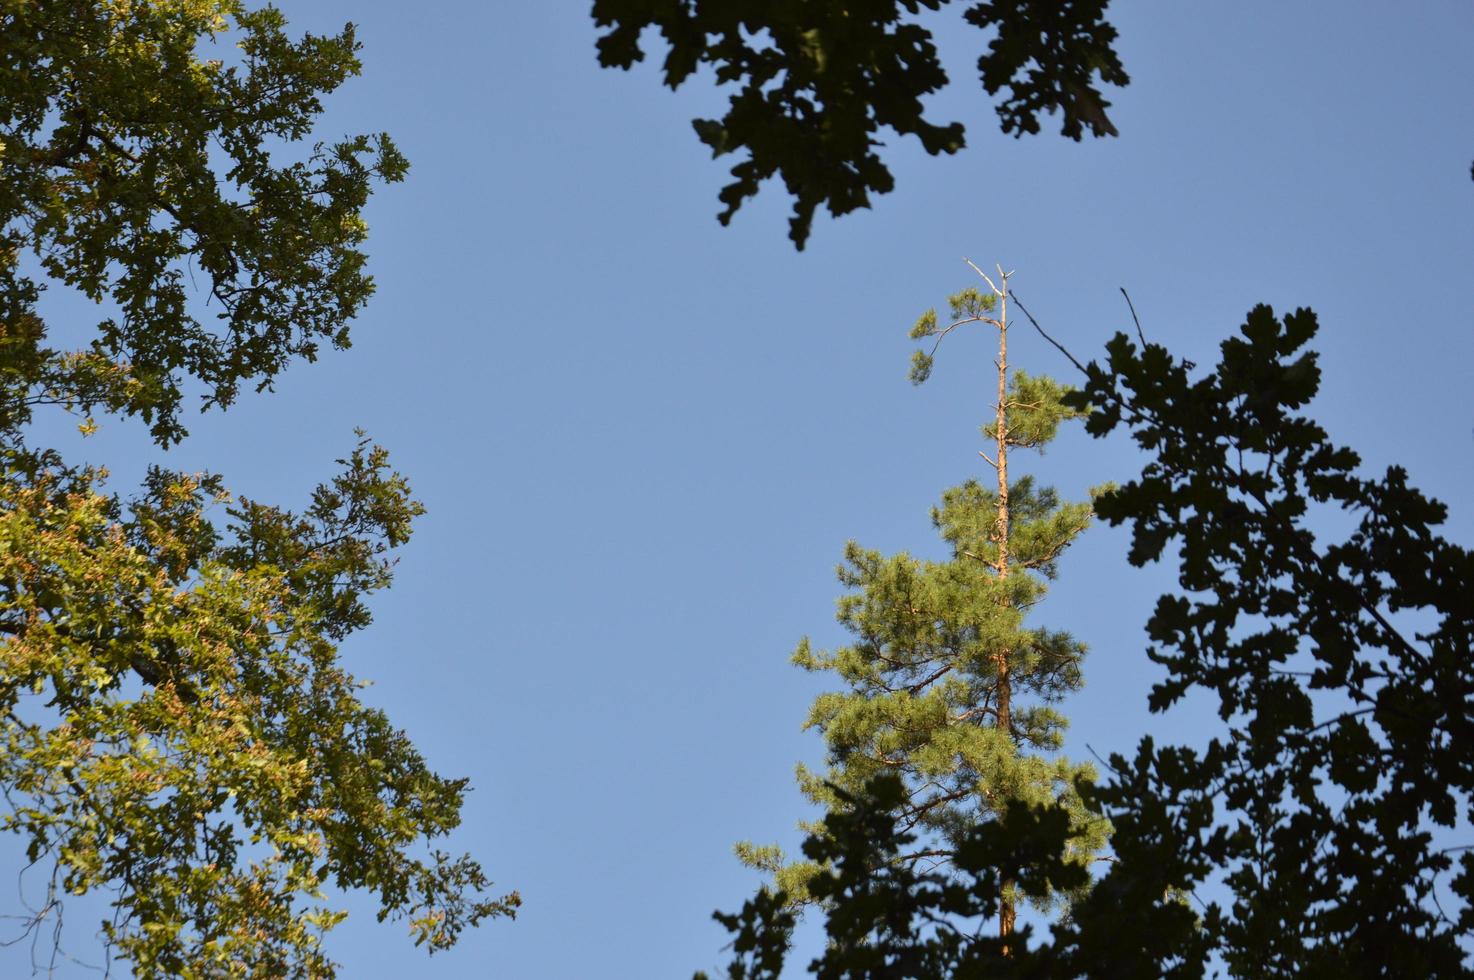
[[1109, 768], [1132, 307], [1058, 346]]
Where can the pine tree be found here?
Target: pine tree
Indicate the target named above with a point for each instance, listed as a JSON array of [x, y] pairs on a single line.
[[943, 684]]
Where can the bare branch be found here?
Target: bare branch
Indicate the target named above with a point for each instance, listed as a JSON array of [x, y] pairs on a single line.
[[980, 272]]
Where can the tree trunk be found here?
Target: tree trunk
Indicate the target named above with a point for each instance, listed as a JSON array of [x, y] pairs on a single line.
[[1006, 909]]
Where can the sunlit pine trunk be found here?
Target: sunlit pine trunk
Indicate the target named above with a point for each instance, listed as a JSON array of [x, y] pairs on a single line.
[[1006, 908]]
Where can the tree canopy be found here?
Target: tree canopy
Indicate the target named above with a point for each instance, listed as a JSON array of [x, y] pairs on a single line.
[[1323, 831], [132, 160], [178, 729], [818, 81]]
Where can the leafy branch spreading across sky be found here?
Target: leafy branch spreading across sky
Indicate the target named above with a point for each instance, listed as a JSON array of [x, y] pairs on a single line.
[[176, 727], [818, 82]]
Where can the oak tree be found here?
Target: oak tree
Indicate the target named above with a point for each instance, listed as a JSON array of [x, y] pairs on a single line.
[[177, 730], [1325, 826]]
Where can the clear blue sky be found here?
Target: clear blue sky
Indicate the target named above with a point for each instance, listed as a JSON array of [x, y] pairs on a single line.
[[643, 439]]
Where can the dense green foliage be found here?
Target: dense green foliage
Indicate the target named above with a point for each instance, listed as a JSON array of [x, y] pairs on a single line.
[[944, 686], [177, 725], [129, 161], [818, 80], [178, 732], [1322, 832]]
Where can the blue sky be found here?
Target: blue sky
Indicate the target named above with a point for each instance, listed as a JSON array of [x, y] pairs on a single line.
[[643, 439]]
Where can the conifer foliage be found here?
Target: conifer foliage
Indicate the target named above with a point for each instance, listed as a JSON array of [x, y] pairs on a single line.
[[944, 686]]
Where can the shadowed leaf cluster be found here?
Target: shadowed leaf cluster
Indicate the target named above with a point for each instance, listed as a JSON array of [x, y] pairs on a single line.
[[818, 80], [1334, 805]]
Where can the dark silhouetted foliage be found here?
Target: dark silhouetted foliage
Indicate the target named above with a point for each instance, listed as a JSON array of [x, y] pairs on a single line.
[[884, 917], [1341, 668], [817, 80]]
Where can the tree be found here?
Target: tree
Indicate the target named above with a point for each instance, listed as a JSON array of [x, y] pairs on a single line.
[[116, 134], [941, 663], [1323, 832], [1334, 807], [818, 80], [177, 726]]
